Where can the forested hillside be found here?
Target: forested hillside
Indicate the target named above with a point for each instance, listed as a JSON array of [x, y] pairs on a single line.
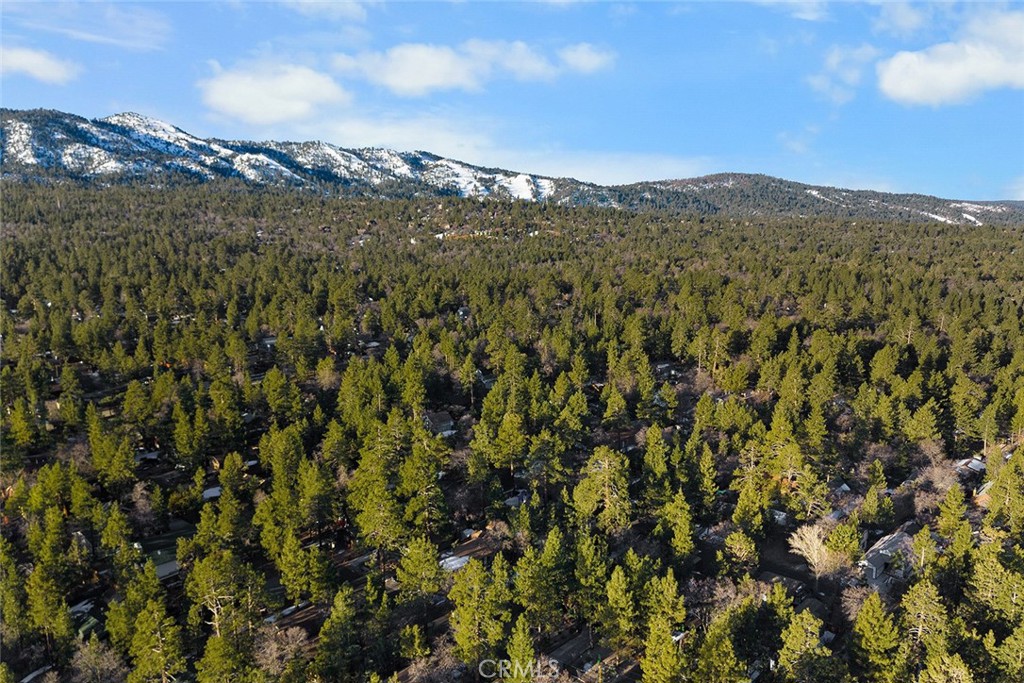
[[269, 436]]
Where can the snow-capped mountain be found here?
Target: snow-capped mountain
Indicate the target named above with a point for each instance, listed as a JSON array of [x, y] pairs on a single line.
[[131, 146], [44, 145]]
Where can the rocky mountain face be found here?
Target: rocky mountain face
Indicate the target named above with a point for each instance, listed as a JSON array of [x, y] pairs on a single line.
[[47, 146]]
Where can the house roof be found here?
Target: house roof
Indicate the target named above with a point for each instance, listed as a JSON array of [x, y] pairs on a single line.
[[887, 547], [440, 417]]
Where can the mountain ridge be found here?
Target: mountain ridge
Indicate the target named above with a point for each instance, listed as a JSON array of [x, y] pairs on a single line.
[[46, 145]]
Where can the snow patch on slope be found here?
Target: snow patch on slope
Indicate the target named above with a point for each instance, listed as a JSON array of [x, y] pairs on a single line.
[[448, 173], [258, 167], [994, 208], [520, 186], [88, 159], [17, 142], [324, 157], [390, 160]]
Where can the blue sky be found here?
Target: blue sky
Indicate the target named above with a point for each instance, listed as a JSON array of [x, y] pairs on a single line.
[[908, 97]]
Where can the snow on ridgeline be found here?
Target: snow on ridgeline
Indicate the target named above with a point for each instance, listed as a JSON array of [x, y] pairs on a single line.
[[130, 144], [157, 134]]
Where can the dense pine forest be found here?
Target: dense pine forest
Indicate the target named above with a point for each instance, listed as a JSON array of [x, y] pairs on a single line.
[[273, 436]]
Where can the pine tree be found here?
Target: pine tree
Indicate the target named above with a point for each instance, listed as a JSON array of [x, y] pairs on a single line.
[[48, 612], [615, 412], [222, 661], [662, 661], [293, 567], [70, 396], [418, 572], [497, 603], [135, 407], [716, 659], [1009, 655], [816, 428], [801, 657], [418, 481], [467, 378], [676, 523], [738, 555], [378, 512], [540, 580], [591, 572], [620, 613], [924, 617], [925, 553], [13, 613], [996, 588], [655, 468], [877, 509], [951, 512], [156, 646], [663, 601], [706, 486], [604, 490], [184, 444], [140, 589], [468, 618], [338, 642], [316, 491], [23, 427], [844, 539], [117, 470], [923, 424], [521, 654], [508, 449], [942, 667], [875, 639]]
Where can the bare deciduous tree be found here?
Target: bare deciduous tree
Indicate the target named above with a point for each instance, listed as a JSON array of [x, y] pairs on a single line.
[[97, 662], [276, 647], [809, 542]]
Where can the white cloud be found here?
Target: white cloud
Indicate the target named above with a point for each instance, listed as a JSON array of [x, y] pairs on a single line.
[[270, 93], [475, 140], [806, 10], [900, 18], [799, 142], [988, 56], [106, 23], [417, 69], [343, 10], [516, 58], [585, 58], [842, 72], [37, 64], [462, 139]]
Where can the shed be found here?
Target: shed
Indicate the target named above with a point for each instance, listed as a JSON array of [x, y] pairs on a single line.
[[982, 496]]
